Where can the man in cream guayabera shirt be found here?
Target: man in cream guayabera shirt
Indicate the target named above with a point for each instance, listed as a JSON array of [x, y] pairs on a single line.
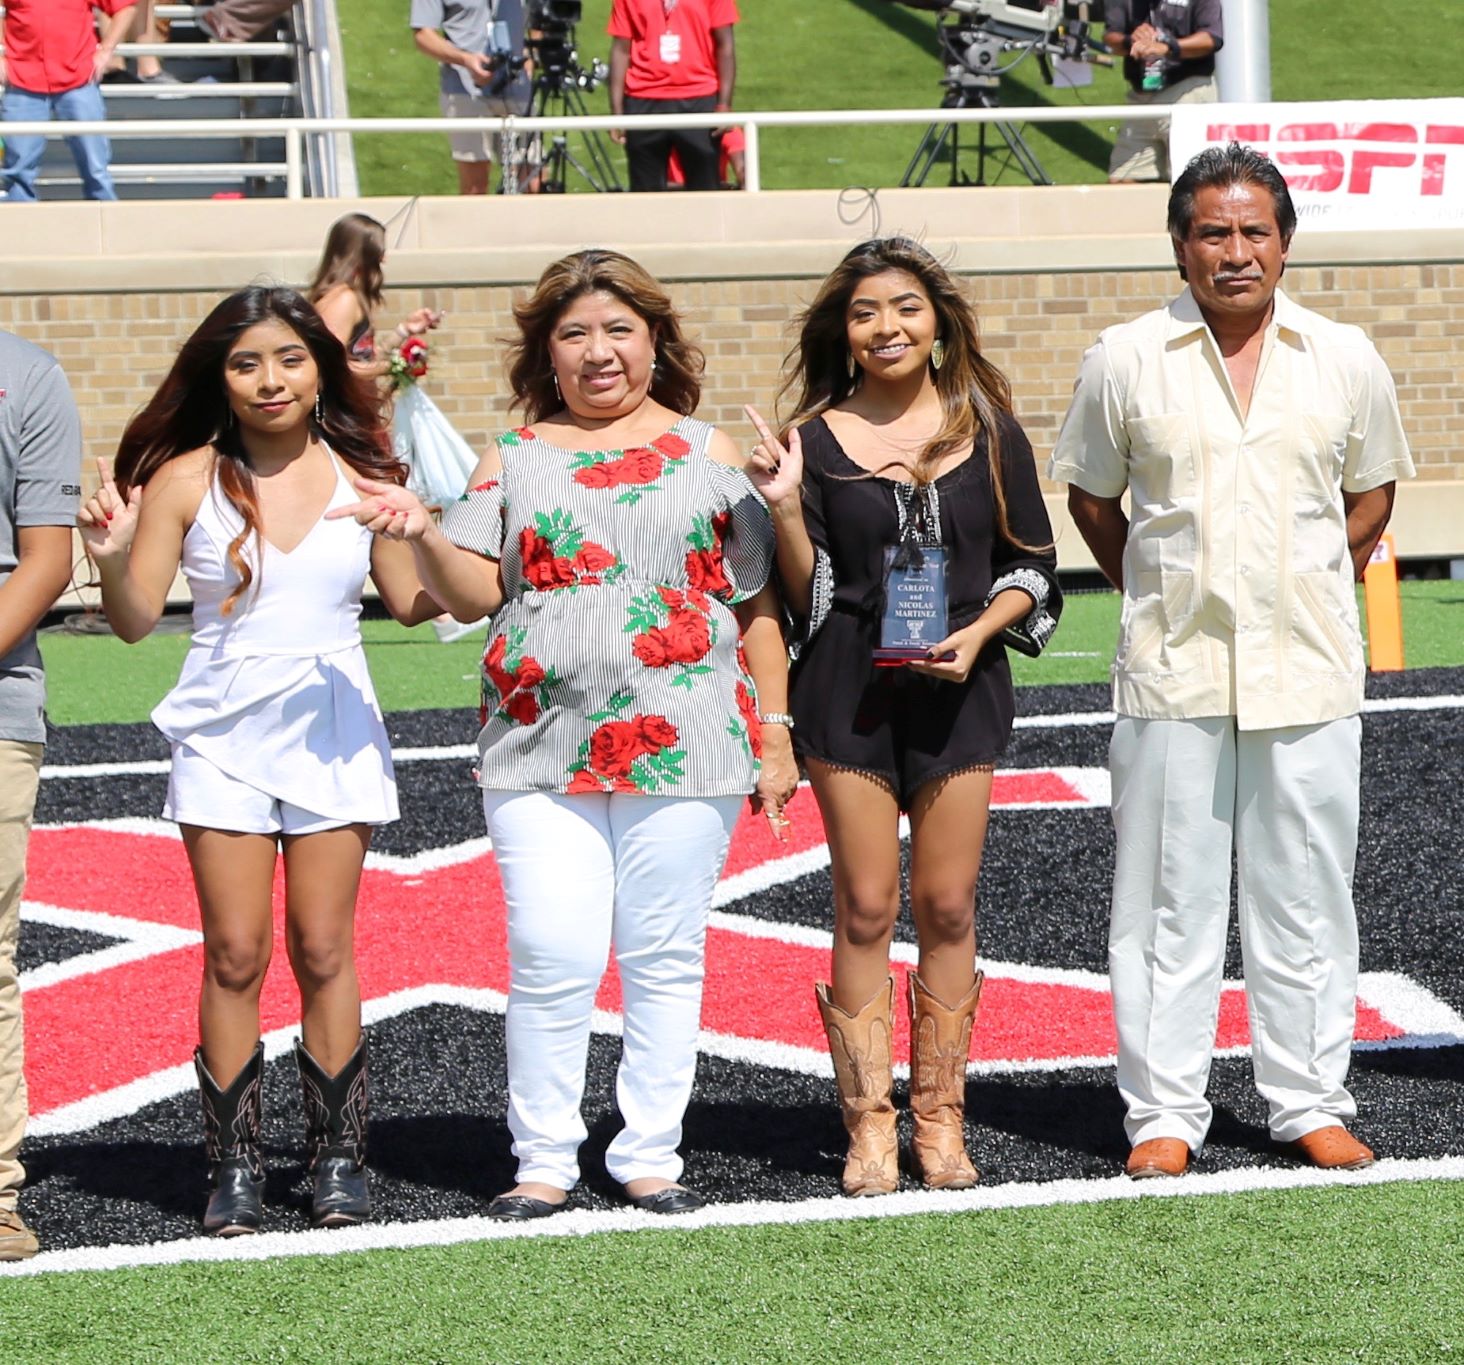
[[1259, 444]]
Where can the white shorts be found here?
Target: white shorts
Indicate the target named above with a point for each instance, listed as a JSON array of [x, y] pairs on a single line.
[[202, 794]]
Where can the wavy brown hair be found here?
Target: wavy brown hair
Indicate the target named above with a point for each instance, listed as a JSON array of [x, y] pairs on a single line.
[[191, 410], [676, 382], [354, 249], [974, 394]]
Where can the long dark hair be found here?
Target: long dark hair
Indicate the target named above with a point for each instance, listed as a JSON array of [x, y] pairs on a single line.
[[355, 247], [191, 410], [676, 382], [974, 394]]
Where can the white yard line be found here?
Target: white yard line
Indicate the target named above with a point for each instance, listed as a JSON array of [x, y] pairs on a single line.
[[1070, 720], [592, 1222]]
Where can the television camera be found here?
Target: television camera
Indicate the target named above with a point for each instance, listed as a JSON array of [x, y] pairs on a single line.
[[980, 41], [559, 86]]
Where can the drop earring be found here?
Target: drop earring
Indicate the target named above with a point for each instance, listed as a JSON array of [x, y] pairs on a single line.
[[554, 378], [853, 366], [319, 408], [937, 354]]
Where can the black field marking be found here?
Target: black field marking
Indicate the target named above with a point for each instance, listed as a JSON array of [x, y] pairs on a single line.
[[439, 1143], [41, 944], [440, 1147]]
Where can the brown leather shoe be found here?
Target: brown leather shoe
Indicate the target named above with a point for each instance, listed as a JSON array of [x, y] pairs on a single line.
[[17, 1242], [860, 1046], [1158, 1156], [1332, 1148]]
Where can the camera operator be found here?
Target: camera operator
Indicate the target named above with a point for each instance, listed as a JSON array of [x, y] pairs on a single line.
[[480, 45], [671, 57], [1169, 48]]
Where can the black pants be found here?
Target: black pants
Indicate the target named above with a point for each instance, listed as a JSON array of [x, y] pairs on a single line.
[[647, 152]]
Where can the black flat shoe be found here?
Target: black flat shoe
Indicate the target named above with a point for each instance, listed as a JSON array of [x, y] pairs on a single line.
[[518, 1208], [673, 1199]]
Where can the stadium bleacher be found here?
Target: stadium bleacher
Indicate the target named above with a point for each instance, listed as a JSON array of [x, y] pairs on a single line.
[[289, 71]]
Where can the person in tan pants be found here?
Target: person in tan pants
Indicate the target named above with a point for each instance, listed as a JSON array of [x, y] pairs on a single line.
[[40, 463]]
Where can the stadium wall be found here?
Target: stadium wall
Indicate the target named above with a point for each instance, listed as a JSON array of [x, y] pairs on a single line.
[[113, 289]]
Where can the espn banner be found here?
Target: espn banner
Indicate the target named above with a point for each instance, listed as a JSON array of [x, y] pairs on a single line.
[[1350, 164]]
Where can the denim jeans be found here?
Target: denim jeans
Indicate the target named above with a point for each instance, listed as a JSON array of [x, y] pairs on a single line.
[[23, 154]]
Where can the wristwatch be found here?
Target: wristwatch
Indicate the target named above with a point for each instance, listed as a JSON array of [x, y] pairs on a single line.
[[776, 718]]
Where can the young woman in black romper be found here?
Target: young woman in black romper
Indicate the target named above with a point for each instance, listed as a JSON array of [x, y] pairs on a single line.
[[903, 431]]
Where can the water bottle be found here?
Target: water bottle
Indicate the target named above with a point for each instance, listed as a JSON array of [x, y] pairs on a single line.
[[1154, 74]]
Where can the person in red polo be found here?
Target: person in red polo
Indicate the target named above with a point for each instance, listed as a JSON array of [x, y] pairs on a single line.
[[671, 57], [51, 65]]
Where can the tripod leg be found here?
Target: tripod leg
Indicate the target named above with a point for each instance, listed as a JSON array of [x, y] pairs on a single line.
[[1024, 156], [926, 154], [605, 177]]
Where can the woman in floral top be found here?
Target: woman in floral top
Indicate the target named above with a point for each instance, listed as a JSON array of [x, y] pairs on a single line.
[[635, 686]]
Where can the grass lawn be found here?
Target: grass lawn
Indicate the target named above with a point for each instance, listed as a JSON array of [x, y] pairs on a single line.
[[1303, 1276], [412, 671], [845, 54]]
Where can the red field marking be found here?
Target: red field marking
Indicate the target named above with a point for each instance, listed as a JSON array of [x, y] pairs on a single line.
[[445, 926]]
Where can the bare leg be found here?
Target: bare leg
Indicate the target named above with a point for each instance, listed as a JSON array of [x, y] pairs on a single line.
[[322, 877], [947, 834], [147, 29], [473, 176], [234, 876], [862, 819]]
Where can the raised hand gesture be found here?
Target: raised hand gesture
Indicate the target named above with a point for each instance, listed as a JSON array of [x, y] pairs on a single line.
[[776, 470], [108, 521], [386, 509]]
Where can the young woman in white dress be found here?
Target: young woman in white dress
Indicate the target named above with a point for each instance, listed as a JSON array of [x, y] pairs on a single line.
[[277, 739]]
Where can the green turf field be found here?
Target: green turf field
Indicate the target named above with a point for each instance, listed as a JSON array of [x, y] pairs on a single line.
[[1310, 1277], [886, 58], [413, 672]]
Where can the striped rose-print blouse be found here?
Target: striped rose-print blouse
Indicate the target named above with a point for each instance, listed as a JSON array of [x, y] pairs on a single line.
[[614, 664]]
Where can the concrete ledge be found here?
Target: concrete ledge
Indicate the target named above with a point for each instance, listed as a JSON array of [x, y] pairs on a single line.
[[130, 246]]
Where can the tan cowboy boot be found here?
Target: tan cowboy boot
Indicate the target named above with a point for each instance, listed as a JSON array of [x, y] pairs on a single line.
[[940, 1043], [860, 1046]]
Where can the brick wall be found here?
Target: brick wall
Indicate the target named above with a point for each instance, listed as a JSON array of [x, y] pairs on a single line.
[[116, 346]]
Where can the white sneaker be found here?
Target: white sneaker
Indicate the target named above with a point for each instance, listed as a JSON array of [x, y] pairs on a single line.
[[448, 630]]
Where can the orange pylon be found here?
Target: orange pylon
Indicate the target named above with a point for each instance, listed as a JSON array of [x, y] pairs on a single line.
[[1384, 609]]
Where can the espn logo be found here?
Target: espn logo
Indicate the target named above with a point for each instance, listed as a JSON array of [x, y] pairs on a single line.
[[1330, 158]]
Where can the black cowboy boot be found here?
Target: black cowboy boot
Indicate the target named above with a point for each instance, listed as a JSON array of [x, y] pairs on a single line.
[[335, 1130], [231, 1141]]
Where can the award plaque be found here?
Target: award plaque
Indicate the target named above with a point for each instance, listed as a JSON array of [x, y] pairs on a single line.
[[914, 615]]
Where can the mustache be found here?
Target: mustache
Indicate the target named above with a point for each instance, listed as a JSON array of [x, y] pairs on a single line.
[[1230, 276]]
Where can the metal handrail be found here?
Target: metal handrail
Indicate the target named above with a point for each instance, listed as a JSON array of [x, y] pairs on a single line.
[[317, 95], [294, 130]]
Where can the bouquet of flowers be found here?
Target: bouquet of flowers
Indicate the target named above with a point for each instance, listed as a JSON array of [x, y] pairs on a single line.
[[438, 460], [408, 363]]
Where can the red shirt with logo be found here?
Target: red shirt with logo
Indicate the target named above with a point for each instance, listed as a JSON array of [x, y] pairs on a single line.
[[50, 44], [672, 56]]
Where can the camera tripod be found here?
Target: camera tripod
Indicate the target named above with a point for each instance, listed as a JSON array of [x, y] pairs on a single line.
[[556, 93], [973, 81], [939, 137]]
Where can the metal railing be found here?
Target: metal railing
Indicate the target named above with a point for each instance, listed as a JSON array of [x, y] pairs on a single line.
[[295, 131]]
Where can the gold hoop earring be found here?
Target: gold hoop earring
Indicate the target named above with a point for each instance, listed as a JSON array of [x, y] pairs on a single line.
[[937, 354]]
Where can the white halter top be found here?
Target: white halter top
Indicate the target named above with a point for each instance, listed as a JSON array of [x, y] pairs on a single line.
[[277, 693]]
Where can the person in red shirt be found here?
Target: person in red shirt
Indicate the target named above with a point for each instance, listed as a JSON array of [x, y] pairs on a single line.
[[671, 57], [51, 65]]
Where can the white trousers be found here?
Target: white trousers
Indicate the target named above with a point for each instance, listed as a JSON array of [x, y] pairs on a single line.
[[1182, 790], [578, 872]]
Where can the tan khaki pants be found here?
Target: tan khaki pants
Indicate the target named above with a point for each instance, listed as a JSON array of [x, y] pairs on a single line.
[[1141, 150], [20, 770]]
